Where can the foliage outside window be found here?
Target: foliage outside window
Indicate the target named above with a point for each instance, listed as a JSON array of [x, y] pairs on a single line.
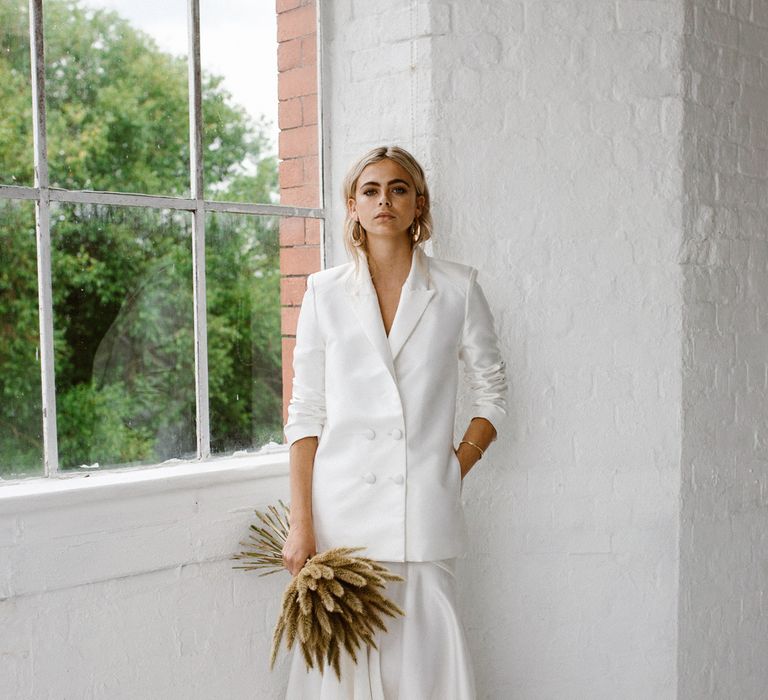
[[121, 276]]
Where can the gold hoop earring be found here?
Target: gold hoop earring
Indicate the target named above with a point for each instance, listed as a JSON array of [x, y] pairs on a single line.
[[417, 234], [357, 234]]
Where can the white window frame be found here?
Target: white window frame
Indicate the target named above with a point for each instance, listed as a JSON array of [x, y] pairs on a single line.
[[43, 194]]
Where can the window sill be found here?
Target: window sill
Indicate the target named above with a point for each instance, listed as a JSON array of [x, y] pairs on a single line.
[[37, 493]]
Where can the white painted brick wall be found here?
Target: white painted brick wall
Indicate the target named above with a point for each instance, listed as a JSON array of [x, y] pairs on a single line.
[[723, 643], [376, 86], [126, 591], [570, 206]]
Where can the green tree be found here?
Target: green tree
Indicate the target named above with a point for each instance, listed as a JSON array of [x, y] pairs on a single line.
[[122, 277]]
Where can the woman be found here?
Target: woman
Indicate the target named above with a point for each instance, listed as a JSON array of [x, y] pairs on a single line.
[[370, 428]]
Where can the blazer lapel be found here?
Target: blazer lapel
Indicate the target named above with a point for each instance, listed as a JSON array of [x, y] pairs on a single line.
[[414, 297], [362, 296]]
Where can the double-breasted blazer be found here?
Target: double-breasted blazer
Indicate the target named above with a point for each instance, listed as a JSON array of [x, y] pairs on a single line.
[[385, 474]]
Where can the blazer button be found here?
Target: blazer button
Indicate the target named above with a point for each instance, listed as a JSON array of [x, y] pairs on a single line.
[[397, 433], [398, 478], [369, 477], [370, 433]]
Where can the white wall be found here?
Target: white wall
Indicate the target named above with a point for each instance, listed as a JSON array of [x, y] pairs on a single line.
[[120, 586], [376, 89], [724, 516], [556, 142]]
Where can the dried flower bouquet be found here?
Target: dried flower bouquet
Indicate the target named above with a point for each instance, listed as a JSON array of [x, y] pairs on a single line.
[[335, 602]]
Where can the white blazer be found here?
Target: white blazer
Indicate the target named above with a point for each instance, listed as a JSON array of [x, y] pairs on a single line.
[[385, 475]]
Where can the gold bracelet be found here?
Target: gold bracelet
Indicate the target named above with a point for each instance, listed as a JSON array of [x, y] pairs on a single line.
[[479, 449]]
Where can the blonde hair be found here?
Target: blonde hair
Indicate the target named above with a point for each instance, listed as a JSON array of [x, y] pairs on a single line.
[[412, 167]]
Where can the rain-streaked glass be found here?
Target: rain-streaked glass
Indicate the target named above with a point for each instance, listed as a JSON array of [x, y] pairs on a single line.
[[117, 107], [123, 322], [16, 156], [244, 339], [240, 130], [21, 413]]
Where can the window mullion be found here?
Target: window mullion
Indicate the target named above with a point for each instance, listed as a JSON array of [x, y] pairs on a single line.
[[154, 201], [198, 230], [43, 234], [19, 192]]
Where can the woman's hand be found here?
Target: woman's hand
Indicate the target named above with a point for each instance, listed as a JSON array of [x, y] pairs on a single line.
[[299, 546], [481, 432], [464, 468], [467, 456]]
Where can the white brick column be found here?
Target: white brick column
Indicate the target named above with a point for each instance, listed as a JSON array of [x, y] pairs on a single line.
[[723, 613]]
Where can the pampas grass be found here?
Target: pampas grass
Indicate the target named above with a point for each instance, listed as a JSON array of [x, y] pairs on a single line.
[[335, 602]]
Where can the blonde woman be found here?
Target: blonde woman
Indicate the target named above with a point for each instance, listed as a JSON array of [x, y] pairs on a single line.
[[371, 429]]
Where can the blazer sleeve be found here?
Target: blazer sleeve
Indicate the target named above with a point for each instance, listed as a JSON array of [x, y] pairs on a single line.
[[484, 365], [306, 408]]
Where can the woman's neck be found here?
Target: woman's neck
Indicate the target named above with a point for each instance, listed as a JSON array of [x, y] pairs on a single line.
[[390, 263]]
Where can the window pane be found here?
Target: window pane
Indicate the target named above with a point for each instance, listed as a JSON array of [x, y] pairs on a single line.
[[123, 321], [244, 340], [238, 51], [21, 426], [117, 95], [16, 160]]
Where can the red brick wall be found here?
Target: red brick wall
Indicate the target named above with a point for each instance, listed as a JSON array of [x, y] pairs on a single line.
[[299, 164]]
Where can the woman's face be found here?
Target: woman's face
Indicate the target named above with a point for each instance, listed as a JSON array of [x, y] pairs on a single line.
[[385, 201]]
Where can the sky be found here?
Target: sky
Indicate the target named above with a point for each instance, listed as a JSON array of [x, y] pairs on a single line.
[[237, 40]]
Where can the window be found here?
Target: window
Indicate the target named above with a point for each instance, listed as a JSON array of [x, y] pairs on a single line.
[[157, 222]]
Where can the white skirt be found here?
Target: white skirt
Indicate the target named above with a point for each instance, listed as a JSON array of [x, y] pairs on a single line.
[[422, 656]]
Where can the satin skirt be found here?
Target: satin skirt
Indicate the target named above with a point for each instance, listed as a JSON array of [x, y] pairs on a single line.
[[422, 656]]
